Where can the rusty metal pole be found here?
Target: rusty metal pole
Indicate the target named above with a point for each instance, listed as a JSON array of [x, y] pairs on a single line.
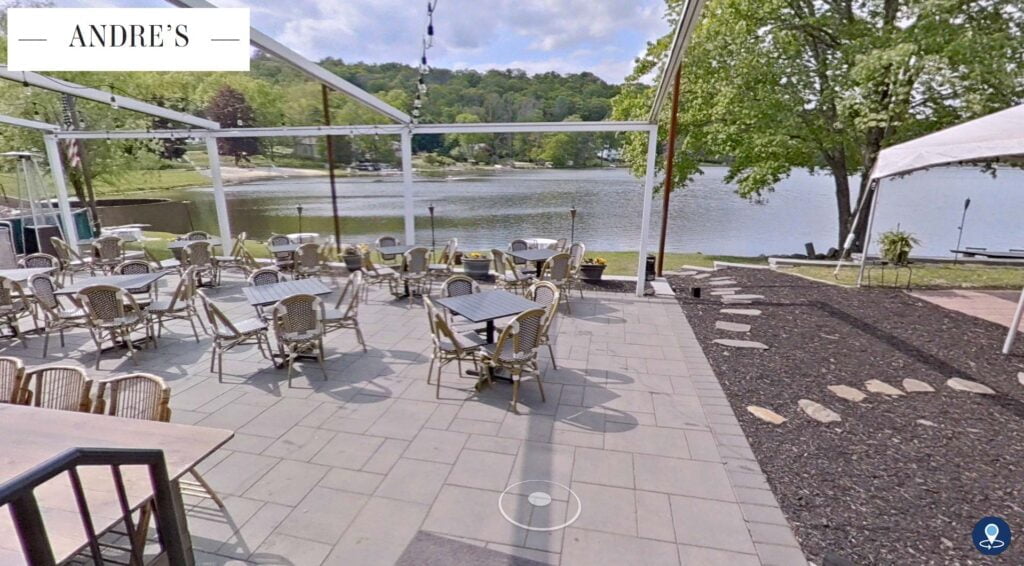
[[669, 166], [330, 168]]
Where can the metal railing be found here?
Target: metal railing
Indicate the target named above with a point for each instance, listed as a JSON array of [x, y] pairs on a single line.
[[19, 495]]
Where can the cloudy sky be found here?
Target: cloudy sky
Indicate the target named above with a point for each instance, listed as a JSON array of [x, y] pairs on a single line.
[[600, 36]]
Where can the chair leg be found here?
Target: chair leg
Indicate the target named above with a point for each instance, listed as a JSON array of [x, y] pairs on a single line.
[[99, 348], [430, 369], [195, 333], [515, 395], [320, 357], [552, 352], [46, 340], [540, 384], [291, 361], [206, 487], [359, 335]]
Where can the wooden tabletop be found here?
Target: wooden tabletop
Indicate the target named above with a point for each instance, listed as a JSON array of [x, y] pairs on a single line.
[[269, 294], [23, 274], [127, 282], [182, 244], [488, 305], [540, 254], [32, 436]]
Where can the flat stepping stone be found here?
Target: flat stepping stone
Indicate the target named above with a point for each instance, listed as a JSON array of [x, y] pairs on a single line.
[[819, 412], [925, 422], [848, 393], [722, 282], [701, 276], [747, 297], [766, 415], [1020, 377], [687, 273], [757, 312], [917, 386], [732, 326], [878, 386], [969, 386], [723, 293], [721, 278], [740, 343], [728, 299]]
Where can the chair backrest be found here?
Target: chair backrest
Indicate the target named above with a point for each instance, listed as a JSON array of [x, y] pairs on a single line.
[[307, 256], [133, 267], [8, 252], [65, 388], [500, 265], [384, 242], [12, 372], [576, 253], [196, 235], [560, 244], [10, 292], [546, 294], [239, 245], [453, 247], [40, 260], [350, 294], [45, 291], [264, 276], [458, 285], [185, 290], [519, 340], [140, 396], [279, 240], [299, 314], [558, 268], [107, 248], [417, 260], [518, 246], [197, 254], [63, 251], [222, 325], [104, 302]]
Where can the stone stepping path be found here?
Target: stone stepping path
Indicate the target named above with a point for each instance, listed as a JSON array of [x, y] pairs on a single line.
[[969, 386], [723, 292], [702, 276], [766, 415], [879, 386], [819, 412], [917, 386], [740, 344], [752, 312], [722, 282], [848, 393], [732, 326]]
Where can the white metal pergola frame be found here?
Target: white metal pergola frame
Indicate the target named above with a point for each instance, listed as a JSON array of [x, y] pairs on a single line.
[[405, 128]]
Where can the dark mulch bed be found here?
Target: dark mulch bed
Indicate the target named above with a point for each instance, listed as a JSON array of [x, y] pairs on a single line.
[[876, 488]]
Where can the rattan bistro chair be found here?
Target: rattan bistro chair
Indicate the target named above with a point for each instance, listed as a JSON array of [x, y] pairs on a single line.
[[196, 235], [458, 285], [198, 254], [377, 275], [282, 260], [299, 328], [521, 264], [145, 295], [237, 259], [15, 304], [107, 252], [306, 261], [385, 242], [12, 372], [546, 294], [449, 346], [446, 262], [64, 388], [228, 333], [70, 261], [560, 244], [181, 305], [416, 275], [56, 316], [39, 260], [169, 264], [558, 270], [146, 397], [338, 319], [509, 276], [576, 254], [113, 313], [516, 351]]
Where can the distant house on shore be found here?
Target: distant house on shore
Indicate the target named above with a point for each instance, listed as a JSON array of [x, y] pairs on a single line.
[[308, 148]]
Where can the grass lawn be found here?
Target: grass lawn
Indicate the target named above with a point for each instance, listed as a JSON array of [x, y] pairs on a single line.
[[624, 263], [936, 276], [133, 181]]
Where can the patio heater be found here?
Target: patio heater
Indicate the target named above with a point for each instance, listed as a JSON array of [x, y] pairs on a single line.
[[572, 230], [433, 244], [967, 204], [298, 208]]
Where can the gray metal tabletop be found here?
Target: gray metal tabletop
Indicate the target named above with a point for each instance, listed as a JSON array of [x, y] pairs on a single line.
[[135, 282], [394, 250], [182, 244], [283, 248], [488, 305], [23, 274], [269, 294], [541, 254]]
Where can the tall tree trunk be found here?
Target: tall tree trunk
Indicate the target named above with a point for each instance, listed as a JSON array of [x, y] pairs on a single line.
[[840, 175], [872, 145]]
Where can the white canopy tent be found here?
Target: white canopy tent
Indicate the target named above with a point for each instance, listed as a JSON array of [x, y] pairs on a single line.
[[993, 138]]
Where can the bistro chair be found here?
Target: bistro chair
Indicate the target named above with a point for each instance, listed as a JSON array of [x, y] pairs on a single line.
[[576, 254], [145, 397], [306, 261], [509, 276], [458, 285], [15, 304], [386, 242], [448, 346], [299, 327], [516, 351], [12, 372], [144, 295], [546, 294], [558, 270], [520, 246], [446, 262], [236, 260], [198, 254], [56, 316], [70, 261], [113, 313], [265, 276], [282, 260], [169, 264], [196, 235], [377, 275], [560, 244], [33, 261], [338, 319], [415, 275], [181, 305], [64, 388], [228, 333], [8, 251], [107, 252]]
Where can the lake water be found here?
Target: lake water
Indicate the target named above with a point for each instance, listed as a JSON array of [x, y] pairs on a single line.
[[487, 210]]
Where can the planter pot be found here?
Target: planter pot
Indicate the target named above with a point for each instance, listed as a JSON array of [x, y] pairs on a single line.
[[477, 268], [592, 272], [353, 262]]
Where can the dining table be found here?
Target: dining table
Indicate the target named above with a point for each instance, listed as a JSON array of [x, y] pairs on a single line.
[[23, 274], [264, 295], [538, 256], [134, 283], [487, 306]]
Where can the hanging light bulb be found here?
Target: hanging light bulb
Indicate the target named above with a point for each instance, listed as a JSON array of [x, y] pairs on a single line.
[[422, 86], [113, 102], [239, 122], [418, 103], [416, 113]]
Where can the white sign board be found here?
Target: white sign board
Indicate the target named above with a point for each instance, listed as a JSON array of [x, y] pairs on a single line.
[[127, 39]]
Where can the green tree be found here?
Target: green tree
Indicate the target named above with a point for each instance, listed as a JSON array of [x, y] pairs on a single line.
[[230, 108], [778, 85]]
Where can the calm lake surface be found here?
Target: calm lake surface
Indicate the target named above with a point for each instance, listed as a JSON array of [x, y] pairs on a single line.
[[487, 210]]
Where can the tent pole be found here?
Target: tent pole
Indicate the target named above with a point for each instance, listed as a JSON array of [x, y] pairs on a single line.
[[645, 218], [867, 235], [1011, 335], [670, 155], [324, 91], [410, 219], [220, 201], [57, 172], [853, 227]]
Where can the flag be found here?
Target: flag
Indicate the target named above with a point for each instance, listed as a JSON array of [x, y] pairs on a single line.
[[67, 103]]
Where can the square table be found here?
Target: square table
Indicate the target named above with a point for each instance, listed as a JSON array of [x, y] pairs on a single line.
[[283, 248], [538, 256], [131, 283], [24, 274], [394, 250], [264, 295], [487, 307], [182, 244]]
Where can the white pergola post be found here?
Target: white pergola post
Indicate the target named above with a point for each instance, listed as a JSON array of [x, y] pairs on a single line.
[[645, 217], [1011, 335], [220, 201], [410, 215], [57, 172], [867, 236]]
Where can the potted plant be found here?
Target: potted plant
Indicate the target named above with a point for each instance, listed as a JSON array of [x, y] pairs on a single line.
[[353, 256], [896, 246], [592, 268], [476, 265]]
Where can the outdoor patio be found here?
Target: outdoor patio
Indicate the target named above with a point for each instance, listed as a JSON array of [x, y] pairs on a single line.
[[368, 467]]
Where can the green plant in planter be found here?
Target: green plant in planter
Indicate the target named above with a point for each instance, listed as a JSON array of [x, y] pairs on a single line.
[[896, 245]]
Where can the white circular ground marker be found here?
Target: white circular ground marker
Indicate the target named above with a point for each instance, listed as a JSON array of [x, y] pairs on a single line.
[[540, 499]]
